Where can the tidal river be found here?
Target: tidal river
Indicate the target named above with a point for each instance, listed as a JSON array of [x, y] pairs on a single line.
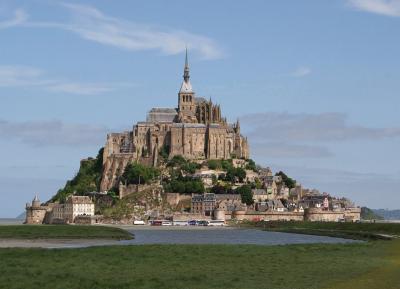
[[184, 235]]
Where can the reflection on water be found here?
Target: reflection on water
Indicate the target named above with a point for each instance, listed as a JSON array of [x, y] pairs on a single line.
[[223, 236], [178, 235]]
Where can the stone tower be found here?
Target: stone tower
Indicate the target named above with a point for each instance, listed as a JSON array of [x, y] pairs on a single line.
[[35, 213], [186, 98]]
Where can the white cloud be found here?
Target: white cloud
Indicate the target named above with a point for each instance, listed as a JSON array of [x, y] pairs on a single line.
[[80, 88], [323, 127], [19, 17], [383, 7], [279, 150], [53, 133], [91, 24], [303, 135], [25, 76], [301, 71]]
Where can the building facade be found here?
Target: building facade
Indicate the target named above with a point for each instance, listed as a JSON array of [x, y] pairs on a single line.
[[195, 129], [78, 206]]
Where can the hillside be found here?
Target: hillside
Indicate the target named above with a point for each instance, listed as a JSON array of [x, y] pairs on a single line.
[[368, 214], [86, 180], [388, 214]]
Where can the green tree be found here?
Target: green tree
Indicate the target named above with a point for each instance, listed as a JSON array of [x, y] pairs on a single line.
[[251, 165], [246, 194], [136, 173], [289, 182]]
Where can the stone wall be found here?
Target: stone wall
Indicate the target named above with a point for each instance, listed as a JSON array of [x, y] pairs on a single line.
[[35, 215], [131, 189], [319, 215], [268, 216]]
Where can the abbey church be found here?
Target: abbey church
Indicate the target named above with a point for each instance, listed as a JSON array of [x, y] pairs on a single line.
[[196, 130]]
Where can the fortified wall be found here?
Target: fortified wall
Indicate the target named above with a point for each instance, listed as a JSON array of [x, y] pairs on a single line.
[[319, 215]]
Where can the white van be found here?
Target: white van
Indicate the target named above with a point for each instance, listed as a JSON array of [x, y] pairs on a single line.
[[138, 222], [180, 223]]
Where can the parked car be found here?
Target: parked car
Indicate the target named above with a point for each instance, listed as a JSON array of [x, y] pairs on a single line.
[[166, 223], [202, 223], [156, 223], [192, 223]]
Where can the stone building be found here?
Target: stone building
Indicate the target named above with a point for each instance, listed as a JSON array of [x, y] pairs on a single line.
[[35, 212], [77, 206], [203, 204], [195, 129]]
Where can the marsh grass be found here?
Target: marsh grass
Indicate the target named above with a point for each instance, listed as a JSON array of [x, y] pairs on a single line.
[[31, 232], [189, 266]]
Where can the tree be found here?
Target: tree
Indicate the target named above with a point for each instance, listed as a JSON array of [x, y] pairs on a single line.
[[220, 189], [136, 173], [234, 174], [289, 182], [246, 194], [251, 165]]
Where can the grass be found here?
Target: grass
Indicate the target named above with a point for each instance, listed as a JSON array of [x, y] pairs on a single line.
[[372, 264], [200, 266], [359, 231], [62, 232]]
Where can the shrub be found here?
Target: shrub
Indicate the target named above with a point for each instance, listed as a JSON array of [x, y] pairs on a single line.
[[136, 173]]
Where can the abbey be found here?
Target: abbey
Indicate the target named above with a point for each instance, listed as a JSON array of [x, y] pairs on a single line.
[[196, 130]]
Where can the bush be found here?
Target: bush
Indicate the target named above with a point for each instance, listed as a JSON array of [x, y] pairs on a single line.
[[164, 152], [214, 164], [289, 182], [136, 173], [181, 163], [235, 174], [185, 186], [251, 165], [220, 189]]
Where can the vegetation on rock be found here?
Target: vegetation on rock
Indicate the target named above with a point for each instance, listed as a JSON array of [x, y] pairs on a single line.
[[368, 214], [86, 180], [136, 173], [289, 182]]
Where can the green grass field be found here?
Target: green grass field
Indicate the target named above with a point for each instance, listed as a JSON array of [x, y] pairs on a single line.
[[204, 266], [359, 231], [62, 232], [372, 264]]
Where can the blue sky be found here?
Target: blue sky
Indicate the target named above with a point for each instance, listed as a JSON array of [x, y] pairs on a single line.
[[315, 83]]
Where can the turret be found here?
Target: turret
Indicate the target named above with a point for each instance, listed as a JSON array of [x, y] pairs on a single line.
[[237, 127], [36, 202]]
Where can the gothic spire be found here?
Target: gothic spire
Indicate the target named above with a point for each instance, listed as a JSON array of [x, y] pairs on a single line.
[[186, 75]]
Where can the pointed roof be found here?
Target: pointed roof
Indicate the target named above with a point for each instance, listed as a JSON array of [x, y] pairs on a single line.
[[36, 199], [186, 87]]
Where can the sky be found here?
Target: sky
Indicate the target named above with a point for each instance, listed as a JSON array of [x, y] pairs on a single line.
[[315, 85]]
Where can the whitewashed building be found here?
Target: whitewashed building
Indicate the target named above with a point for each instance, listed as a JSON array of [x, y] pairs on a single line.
[[78, 206]]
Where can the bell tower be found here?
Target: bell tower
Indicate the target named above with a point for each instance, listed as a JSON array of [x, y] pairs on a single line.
[[186, 97]]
